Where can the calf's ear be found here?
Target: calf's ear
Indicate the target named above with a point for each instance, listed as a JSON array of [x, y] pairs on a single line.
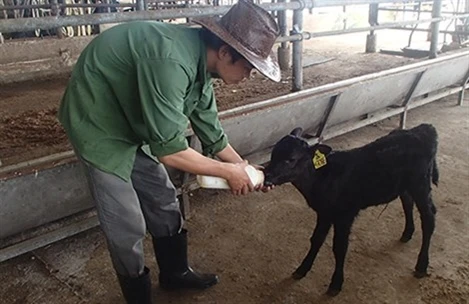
[[324, 149], [297, 132]]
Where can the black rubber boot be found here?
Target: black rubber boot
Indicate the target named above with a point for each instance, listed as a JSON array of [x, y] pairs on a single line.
[[136, 290], [175, 273]]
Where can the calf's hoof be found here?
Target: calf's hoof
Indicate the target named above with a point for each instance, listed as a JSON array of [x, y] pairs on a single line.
[[332, 292], [405, 238], [298, 275], [420, 274]]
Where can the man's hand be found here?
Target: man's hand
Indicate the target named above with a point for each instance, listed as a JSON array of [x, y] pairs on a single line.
[[238, 179], [262, 187], [231, 156]]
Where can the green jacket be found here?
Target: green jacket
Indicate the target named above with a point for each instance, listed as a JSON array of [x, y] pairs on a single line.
[[140, 83]]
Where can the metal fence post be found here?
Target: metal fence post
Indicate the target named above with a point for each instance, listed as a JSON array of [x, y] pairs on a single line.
[[4, 15], [436, 13], [141, 5], [461, 94], [195, 144], [371, 37], [408, 98], [108, 8], [298, 48], [344, 21], [54, 10], [283, 52]]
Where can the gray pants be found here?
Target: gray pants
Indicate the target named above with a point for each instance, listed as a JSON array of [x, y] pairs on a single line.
[[126, 209]]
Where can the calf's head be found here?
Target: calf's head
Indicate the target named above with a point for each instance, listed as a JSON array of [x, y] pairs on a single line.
[[291, 156]]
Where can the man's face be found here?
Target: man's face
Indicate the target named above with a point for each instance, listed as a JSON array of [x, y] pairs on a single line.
[[231, 72]]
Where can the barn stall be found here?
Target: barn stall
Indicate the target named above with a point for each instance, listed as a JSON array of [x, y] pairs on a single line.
[[49, 193]]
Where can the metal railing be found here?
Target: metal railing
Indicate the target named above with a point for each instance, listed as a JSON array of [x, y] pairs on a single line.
[[296, 35]]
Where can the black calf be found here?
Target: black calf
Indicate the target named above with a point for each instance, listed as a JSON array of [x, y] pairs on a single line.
[[338, 184]]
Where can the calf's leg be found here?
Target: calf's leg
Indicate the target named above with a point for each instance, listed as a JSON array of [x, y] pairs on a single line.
[[342, 227], [427, 216], [407, 205], [323, 225]]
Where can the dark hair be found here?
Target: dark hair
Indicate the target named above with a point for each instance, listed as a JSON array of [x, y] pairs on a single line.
[[215, 43]]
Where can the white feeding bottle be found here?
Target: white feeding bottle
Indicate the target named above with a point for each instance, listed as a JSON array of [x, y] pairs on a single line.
[[213, 182]]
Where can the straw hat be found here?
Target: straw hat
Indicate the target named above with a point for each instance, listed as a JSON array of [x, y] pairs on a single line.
[[251, 31]]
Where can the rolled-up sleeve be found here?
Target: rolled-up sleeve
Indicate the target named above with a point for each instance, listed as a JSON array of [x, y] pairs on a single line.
[[162, 86], [206, 125]]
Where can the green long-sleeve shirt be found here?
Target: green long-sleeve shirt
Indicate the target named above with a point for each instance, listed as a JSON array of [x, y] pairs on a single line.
[[140, 83]]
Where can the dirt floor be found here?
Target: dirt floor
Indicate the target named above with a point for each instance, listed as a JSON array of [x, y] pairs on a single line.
[[255, 242], [29, 129]]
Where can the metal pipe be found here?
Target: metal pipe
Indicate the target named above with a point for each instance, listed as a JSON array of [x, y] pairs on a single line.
[[145, 4], [330, 108], [36, 162], [189, 4], [428, 30], [50, 6], [108, 9], [344, 21], [282, 23], [408, 98], [415, 26], [293, 37], [371, 37], [373, 15], [463, 87], [195, 144], [165, 6], [326, 3], [283, 52], [140, 5], [54, 7], [26, 24], [309, 35], [55, 11], [411, 10], [297, 55], [435, 28], [442, 94], [307, 5], [48, 238]]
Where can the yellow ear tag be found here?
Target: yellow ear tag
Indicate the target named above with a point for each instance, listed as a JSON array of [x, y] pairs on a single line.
[[319, 160]]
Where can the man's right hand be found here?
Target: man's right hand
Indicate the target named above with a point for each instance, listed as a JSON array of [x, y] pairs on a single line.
[[238, 179]]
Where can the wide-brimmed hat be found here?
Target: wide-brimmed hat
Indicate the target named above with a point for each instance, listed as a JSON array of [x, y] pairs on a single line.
[[251, 31]]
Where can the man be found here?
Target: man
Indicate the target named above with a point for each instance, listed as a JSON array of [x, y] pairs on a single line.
[[132, 94]]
